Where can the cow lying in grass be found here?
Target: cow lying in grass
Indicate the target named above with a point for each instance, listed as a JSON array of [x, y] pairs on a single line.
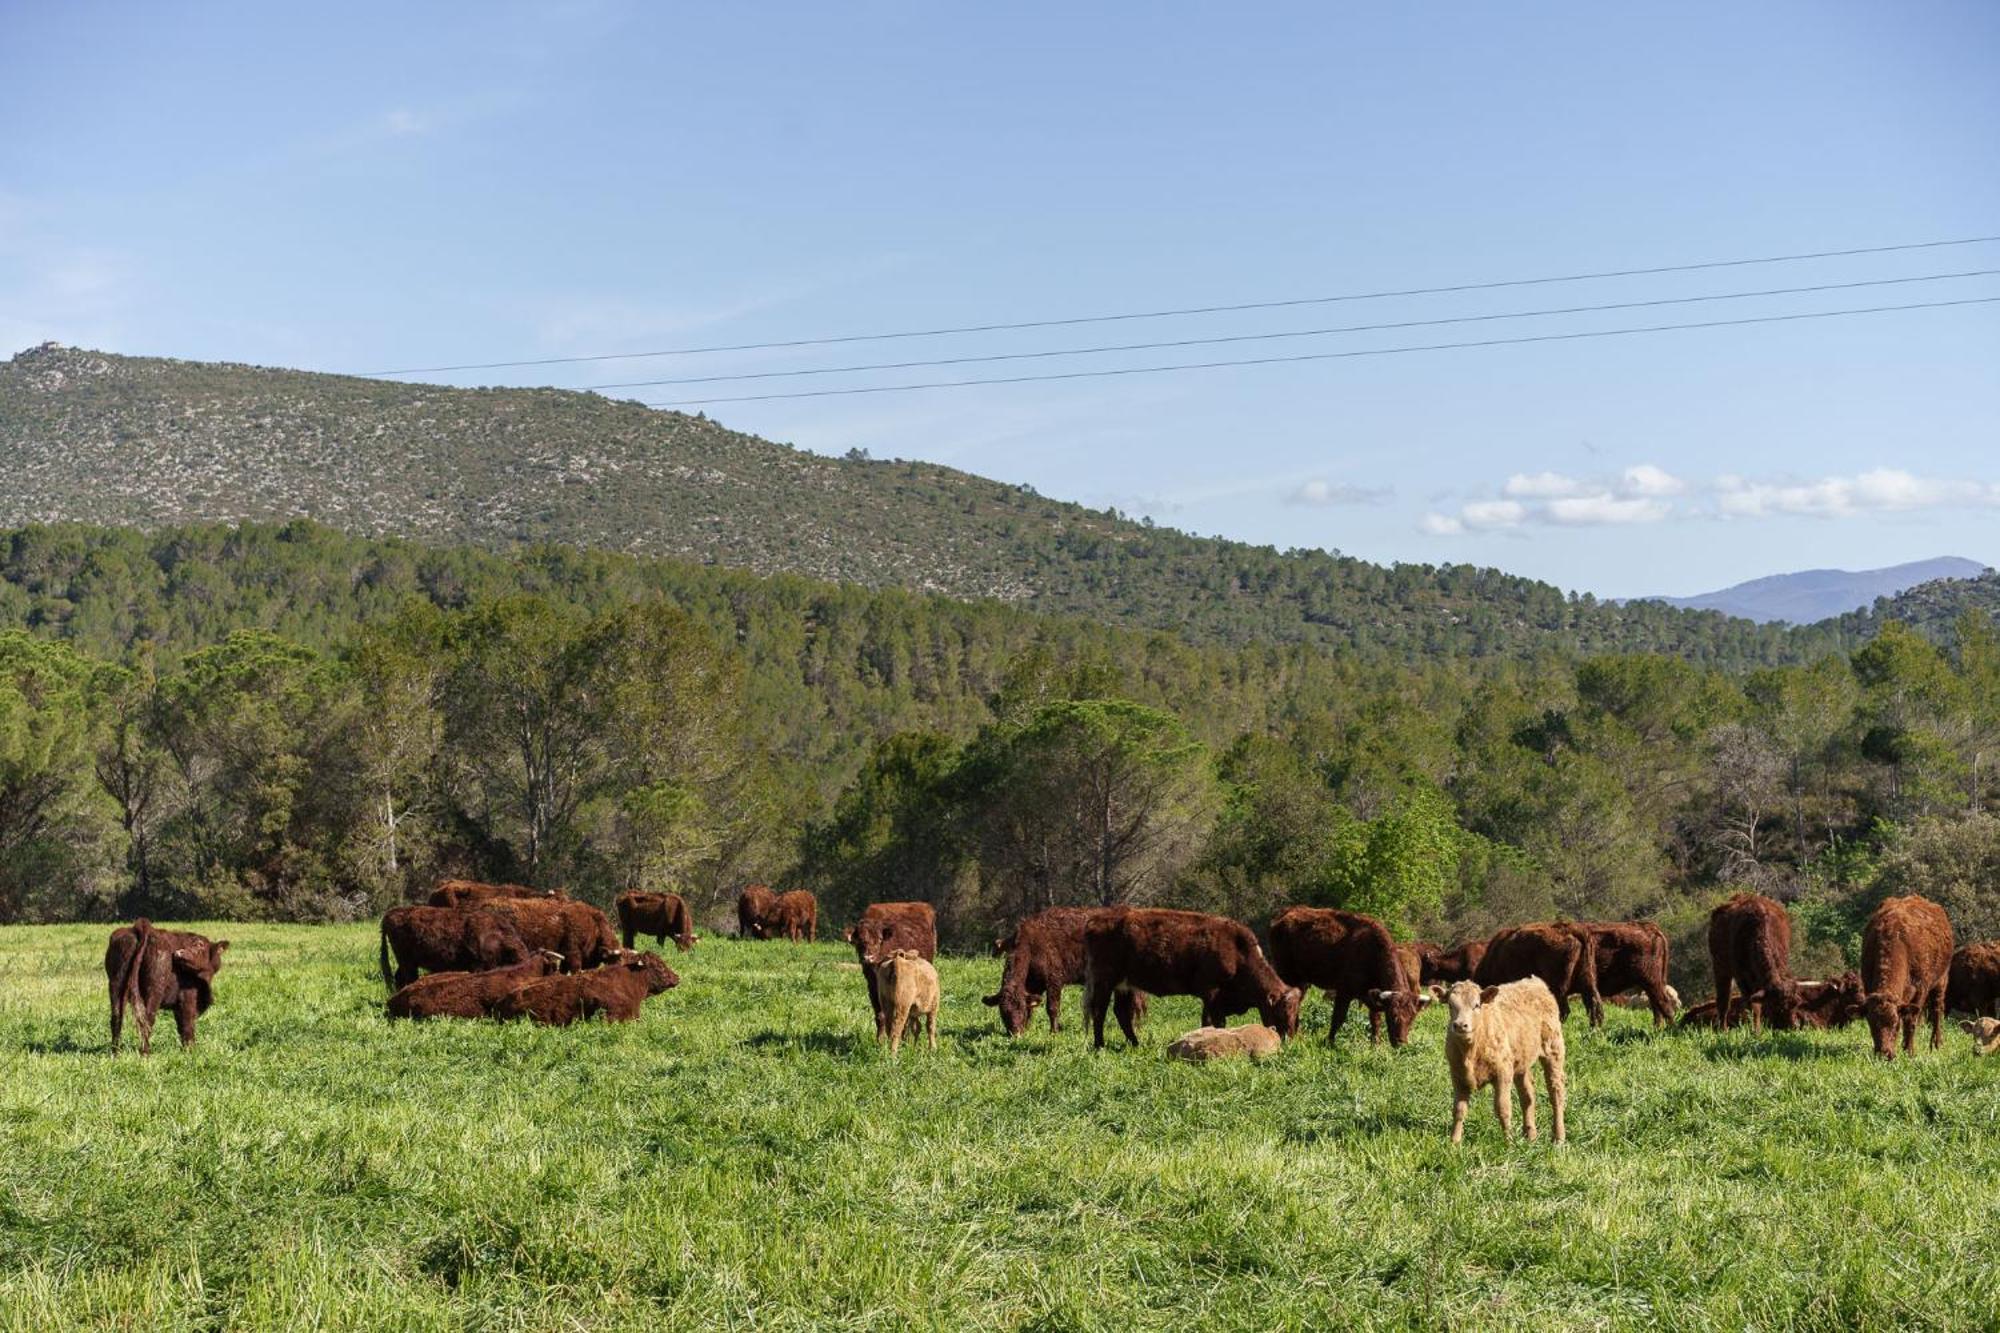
[[908, 987], [1985, 1034], [1252, 1039], [1496, 1036], [615, 991], [151, 970], [469, 994]]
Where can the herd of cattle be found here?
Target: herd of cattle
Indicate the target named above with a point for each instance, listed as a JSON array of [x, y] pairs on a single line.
[[505, 951]]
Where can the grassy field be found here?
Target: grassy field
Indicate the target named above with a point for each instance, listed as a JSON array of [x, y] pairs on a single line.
[[745, 1157]]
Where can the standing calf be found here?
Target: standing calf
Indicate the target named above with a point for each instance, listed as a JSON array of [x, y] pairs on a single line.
[[908, 985], [1497, 1035], [153, 970]]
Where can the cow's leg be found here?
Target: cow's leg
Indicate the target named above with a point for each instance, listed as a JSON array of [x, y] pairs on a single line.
[[1126, 1004], [897, 1022], [1461, 1099], [1524, 1083], [1656, 996], [628, 933], [143, 1014], [184, 1015], [1722, 1000], [1552, 1074], [1562, 1002], [1937, 1018], [1053, 1003], [1374, 1023], [1909, 1030], [1096, 999], [117, 1013], [406, 973], [1341, 999], [1503, 1104], [874, 999], [930, 1028]]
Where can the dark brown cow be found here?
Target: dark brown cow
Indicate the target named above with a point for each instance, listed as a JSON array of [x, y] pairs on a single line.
[[1974, 985], [1351, 957], [883, 929], [752, 905], [615, 990], [579, 932], [468, 994], [795, 915], [664, 916], [1703, 1015], [1905, 965], [1750, 948], [1165, 952], [1045, 954], [1833, 1003], [471, 893], [152, 970], [1561, 953], [1630, 955], [1448, 965], [446, 939]]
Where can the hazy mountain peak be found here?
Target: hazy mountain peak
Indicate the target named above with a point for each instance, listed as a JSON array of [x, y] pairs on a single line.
[[1812, 595]]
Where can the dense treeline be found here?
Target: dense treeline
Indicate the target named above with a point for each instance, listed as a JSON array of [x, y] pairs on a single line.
[[287, 722]]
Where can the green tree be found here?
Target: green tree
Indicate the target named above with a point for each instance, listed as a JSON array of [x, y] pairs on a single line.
[[60, 844]]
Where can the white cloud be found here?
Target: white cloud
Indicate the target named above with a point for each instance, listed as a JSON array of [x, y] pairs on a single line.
[[1594, 510], [1482, 515], [1646, 479], [1541, 486], [1321, 492], [1880, 491], [1440, 525]]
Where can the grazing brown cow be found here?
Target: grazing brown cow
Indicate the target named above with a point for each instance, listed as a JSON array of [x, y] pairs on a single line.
[[471, 893], [795, 915], [1164, 952], [1045, 954], [1561, 953], [1905, 964], [1974, 986], [1750, 948], [1630, 955], [152, 970], [1449, 965], [468, 994], [579, 932], [664, 916], [1351, 957], [752, 905], [446, 939], [882, 930], [1497, 1035], [615, 990]]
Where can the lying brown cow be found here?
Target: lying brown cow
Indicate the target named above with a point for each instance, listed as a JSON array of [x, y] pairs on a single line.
[[615, 991], [471, 893], [883, 929], [1560, 953], [579, 932], [1045, 954], [468, 994], [1351, 957], [752, 905], [1974, 984], [1164, 952], [446, 939], [1905, 964], [664, 916], [152, 970]]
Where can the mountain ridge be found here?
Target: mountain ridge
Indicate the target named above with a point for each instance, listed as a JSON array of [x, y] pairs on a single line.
[[1808, 596]]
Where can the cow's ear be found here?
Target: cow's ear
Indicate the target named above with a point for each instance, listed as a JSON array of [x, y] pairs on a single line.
[[218, 946], [1437, 991], [1489, 995], [1966, 1025]]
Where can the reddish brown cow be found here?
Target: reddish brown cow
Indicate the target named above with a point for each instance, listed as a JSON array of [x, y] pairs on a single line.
[[1750, 948], [1833, 1003], [152, 970], [615, 990], [1630, 955], [1974, 984], [468, 994], [752, 905], [1703, 1015], [471, 893], [1164, 952], [664, 916], [795, 915], [1561, 953], [446, 939], [1905, 965], [579, 932], [1044, 954], [1351, 957], [1448, 965], [882, 930]]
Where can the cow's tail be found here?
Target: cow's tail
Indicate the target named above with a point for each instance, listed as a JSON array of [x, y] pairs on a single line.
[[388, 977], [126, 992]]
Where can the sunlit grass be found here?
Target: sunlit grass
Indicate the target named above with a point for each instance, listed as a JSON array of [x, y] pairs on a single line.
[[744, 1156]]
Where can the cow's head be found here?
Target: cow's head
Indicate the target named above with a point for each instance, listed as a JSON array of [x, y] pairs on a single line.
[[659, 977], [1885, 1021], [874, 939], [1465, 999], [1280, 1011], [1985, 1034], [1399, 1009], [195, 966]]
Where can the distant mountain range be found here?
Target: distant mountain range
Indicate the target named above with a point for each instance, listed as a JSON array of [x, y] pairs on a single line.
[[1813, 595]]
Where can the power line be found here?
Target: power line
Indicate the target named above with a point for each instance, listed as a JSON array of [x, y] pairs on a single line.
[[1191, 310], [1296, 333], [1330, 356]]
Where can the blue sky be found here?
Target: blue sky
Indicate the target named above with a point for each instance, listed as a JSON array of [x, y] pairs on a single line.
[[376, 186]]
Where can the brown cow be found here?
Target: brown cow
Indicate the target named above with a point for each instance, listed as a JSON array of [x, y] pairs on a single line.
[[795, 915], [1833, 1003], [468, 994], [1905, 963], [1165, 952], [471, 893], [1449, 965], [615, 990], [664, 916], [1703, 1015], [1352, 957], [578, 931], [446, 939], [1750, 947], [1044, 954], [752, 905], [1561, 953], [882, 930], [1630, 955], [1974, 985], [152, 970]]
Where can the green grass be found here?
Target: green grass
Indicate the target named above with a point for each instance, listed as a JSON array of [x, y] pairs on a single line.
[[745, 1157]]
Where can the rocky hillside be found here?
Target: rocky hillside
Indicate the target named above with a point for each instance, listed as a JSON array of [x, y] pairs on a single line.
[[96, 438]]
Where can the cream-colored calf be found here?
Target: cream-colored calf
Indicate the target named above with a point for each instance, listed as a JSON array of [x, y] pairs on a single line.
[[1496, 1036]]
